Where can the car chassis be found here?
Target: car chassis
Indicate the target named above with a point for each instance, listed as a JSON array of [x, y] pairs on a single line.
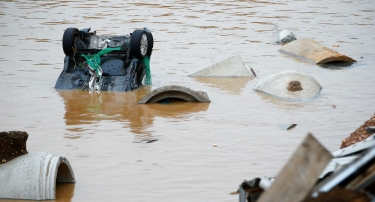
[[105, 63]]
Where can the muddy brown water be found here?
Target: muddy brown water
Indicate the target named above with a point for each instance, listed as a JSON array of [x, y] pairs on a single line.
[[104, 135]]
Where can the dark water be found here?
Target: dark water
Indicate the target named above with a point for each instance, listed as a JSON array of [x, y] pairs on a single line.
[[104, 135]]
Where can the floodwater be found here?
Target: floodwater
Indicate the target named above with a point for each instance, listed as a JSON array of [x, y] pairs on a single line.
[[104, 135]]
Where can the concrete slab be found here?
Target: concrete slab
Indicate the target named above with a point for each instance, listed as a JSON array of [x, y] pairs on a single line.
[[33, 176], [313, 51], [289, 84], [174, 92], [230, 67]]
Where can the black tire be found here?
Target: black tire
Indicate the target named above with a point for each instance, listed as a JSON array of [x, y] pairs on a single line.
[[132, 78], [150, 40], [68, 40], [138, 44]]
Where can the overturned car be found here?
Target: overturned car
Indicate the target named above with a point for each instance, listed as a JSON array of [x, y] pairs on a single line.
[[105, 63]]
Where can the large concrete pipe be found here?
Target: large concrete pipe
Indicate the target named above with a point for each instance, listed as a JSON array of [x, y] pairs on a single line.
[[34, 176], [174, 92]]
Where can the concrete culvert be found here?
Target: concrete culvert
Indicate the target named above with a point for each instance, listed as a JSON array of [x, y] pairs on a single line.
[[34, 176], [174, 92], [289, 84], [314, 52]]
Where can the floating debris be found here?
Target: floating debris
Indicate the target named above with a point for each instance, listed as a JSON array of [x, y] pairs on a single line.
[[314, 52], [282, 36], [291, 126], [230, 67], [289, 84]]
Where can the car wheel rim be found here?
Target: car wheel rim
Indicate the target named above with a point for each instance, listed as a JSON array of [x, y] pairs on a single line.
[[144, 44]]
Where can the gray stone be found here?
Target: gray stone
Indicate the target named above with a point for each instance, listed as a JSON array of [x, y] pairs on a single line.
[[174, 92], [314, 52], [230, 67], [289, 84]]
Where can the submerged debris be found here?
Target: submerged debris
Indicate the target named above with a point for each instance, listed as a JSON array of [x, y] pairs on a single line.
[[290, 85], [314, 52], [230, 67], [291, 126], [174, 92]]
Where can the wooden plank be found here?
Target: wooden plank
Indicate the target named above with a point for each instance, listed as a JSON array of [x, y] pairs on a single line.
[[300, 174]]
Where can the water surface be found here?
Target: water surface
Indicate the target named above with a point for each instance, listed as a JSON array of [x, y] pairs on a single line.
[[104, 135]]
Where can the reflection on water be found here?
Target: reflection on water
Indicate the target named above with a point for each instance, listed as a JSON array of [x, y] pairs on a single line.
[[339, 65], [285, 102], [230, 85], [84, 108], [64, 192]]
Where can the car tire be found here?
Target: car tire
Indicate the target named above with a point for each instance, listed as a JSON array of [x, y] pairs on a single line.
[[139, 46], [68, 40], [150, 40]]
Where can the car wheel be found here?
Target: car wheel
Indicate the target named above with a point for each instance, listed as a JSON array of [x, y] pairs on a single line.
[[139, 44], [68, 40], [150, 40], [132, 77]]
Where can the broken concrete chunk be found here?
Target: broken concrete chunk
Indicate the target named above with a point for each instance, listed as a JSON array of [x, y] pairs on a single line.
[[12, 145], [313, 51], [281, 35], [230, 67], [174, 92], [289, 84], [359, 134]]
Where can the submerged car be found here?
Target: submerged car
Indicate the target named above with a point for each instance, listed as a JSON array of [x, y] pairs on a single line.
[[105, 63]]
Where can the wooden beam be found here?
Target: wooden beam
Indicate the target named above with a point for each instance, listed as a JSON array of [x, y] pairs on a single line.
[[300, 174]]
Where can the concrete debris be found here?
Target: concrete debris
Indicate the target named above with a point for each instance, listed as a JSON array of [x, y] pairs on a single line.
[[230, 67], [33, 176], [174, 92], [289, 84], [282, 36], [359, 134], [12, 145], [314, 52]]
